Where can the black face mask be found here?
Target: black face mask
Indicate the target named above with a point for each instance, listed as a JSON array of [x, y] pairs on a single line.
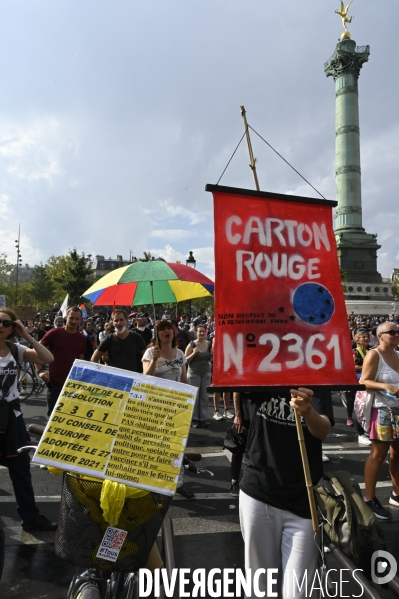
[[48, 327]]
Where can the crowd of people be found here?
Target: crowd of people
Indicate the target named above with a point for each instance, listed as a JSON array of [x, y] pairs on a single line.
[[273, 496]]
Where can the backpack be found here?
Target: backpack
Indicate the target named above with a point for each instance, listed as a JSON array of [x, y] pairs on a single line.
[[347, 519], [14, 352]]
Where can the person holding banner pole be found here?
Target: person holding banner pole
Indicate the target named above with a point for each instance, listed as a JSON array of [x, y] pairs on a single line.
[[275, 514]]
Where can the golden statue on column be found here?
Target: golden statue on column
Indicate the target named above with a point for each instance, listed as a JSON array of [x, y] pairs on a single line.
[[344, 18]]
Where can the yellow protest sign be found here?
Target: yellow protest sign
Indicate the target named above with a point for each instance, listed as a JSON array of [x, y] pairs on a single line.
[[119, 425]]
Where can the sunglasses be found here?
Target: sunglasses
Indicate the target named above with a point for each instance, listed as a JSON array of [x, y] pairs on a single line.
[[6, 323], [391, 333]]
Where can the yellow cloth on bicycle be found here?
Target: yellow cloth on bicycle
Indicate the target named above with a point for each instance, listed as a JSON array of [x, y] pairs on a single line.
[[54, 470], [113, 497]]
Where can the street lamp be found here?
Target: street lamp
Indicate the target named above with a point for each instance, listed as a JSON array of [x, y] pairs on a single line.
[[191, 261], [19, 264]]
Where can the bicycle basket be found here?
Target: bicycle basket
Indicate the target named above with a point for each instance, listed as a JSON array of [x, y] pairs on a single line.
[[81, 526]]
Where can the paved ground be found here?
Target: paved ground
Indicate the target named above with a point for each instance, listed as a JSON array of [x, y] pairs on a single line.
[[207, 532]]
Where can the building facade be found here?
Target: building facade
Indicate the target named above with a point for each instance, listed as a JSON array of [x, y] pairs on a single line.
[[102, 266]]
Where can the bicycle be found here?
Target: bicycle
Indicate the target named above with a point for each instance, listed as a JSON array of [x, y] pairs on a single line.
[[79, 534], [95, 585], [29, 383], [82, 528]]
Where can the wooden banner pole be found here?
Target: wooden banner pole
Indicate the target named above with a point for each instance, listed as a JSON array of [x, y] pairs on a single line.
[[301, 439], [253, 160], [306, 469]]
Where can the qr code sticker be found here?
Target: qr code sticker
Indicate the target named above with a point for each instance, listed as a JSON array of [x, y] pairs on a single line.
[[111, 544]]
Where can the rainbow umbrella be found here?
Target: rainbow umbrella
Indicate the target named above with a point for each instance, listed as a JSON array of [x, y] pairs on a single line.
[[155, 282]]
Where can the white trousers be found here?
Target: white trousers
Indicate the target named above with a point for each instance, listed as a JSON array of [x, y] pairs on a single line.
[[276, 538]]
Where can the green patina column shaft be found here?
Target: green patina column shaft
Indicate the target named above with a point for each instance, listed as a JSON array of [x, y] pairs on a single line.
[[356, 248]]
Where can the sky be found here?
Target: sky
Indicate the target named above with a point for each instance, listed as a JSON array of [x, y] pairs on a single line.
[[114, 115]]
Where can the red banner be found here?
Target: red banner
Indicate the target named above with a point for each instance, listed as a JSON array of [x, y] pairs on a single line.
[[279, 307]]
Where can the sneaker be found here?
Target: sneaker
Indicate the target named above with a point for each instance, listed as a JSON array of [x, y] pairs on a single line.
[[39, 523], [217, 415], [324, 458], [195, 424], [363, 440], [349, 422], [394, 500], [235, 489], [378, 509], [183, 492], [203, 424], [228, 414]]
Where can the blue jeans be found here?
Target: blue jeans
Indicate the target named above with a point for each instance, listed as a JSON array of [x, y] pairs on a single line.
[[202, 381], [19, 470]]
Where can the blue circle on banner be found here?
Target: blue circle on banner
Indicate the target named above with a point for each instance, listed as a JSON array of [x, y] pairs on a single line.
[[313, 303]]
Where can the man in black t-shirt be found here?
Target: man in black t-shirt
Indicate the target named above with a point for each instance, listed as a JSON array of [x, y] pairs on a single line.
[[124, 348], [142, 329], [274, 507]]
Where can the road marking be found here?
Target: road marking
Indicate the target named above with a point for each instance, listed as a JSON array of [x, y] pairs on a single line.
[[354, 451], [213, 454], [31, 465], [38, 498], [204, 496], [386, 483]]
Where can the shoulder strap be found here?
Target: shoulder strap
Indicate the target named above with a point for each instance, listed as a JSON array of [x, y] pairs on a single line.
[[14, 351]]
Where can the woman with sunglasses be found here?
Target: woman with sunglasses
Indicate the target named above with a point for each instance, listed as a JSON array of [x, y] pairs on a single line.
[[167, 361], [380, 374], [12, 425]]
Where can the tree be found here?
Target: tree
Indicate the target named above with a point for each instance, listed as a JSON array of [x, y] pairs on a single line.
[[147, 257], [57, 269], [5, 272], [25, 295], [77, 275], [7, 287], [395, 289], [344, 279], [42, 286]]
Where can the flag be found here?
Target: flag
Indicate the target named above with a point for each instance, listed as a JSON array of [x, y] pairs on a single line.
[[64, 306], [280, 312]]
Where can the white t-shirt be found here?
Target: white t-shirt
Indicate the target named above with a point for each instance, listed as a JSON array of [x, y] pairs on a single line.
[[9, 375], [390, 376], [167, 369]]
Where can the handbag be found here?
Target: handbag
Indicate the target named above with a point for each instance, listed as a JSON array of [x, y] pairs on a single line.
[[235, 441], [369, 399], [394, 425], [359, 405]]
